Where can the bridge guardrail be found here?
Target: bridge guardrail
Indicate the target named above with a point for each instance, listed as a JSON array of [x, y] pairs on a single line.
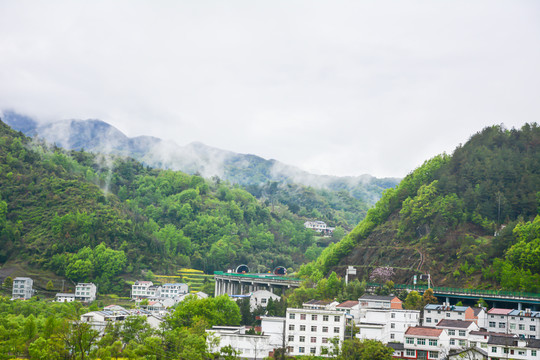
[[449, 290]]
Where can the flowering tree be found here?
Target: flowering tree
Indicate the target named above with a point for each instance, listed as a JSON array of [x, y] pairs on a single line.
[[381, 274]]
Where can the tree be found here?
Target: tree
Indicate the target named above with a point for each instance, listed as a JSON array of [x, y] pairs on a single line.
[[355, 349], [413, 301], [428, 297], [50, 286], [8, 282]]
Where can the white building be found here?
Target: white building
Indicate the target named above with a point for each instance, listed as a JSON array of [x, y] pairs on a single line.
[[144, 289], [380, 302], [274, 327], [22, 288], [386, 325], [260, 298], [524, 323], [64, 297], [433, 313], [458, 331], [248, 346], [174, 290], [426, 343], [504, 347], [99, 320], [85, 292], [309, 331]]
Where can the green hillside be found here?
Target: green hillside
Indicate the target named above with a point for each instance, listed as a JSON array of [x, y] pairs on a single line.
[[469, 219], [94, 218]]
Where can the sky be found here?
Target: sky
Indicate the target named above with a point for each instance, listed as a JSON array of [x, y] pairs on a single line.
[[333, 87]]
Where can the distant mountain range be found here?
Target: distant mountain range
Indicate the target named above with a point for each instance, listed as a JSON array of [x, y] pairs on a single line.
[[244, 169]]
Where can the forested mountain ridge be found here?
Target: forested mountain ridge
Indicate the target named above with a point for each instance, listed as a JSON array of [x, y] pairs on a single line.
[[194, 158], [93, 217], [469, 219]]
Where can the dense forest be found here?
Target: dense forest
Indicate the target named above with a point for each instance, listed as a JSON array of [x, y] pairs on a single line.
[[470, 218], [94, 217]]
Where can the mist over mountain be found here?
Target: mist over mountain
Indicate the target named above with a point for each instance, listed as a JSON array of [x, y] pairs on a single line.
[[194, 158]]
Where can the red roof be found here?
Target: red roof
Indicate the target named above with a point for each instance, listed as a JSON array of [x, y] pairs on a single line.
[[496, 311], [348, 304], [423, 331]]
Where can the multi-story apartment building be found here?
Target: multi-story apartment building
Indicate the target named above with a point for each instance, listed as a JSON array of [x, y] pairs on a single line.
[[458, 331], [386, 325], [144, 289], [310, 331], [515, 348], [433, 313], [524, 323], [426, 343], [85, 292], [174, 290], [22, 288]]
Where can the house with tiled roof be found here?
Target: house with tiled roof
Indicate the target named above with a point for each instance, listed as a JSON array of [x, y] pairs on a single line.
[[524, 323], [433, 313], [505, 347], [423, 342], [458, 331], [385, 325]]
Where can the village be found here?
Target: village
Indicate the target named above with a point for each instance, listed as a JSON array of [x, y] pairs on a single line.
[[438, 331]]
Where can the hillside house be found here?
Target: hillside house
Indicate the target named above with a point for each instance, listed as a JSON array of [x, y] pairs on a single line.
[[380, 302], [174, 290], [261, 298], [524, 323], [85, 292], [64, 297], [22, 288], [426, 343], [248, 346]]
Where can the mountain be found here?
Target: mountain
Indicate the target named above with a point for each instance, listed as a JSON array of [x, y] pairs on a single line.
[[95, 217], [194, 158], [470, 219]]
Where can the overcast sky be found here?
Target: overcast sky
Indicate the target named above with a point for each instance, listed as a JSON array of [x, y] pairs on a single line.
[[333, 87]]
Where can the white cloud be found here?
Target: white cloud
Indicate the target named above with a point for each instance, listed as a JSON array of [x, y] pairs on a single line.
[[343, 87]]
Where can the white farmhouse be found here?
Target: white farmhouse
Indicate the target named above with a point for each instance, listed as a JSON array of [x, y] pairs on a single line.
[[85, 292], [22, 288], [174, 290], [64, 297], [261, 298], [144, 289], [248, 346]]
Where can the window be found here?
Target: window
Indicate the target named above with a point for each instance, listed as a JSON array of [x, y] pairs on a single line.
[[410, 353], [505, 351], [325, 340], [447, 314], [492, 324], [263, 301], [513, 326], [421, 341], [428, 320], [313, 339], [433, 354], [301, 350], [313, 328], [452, 332], [325, 329], [302, 339], [313, 317], [325, 318], [462, 343], [521, 326], [312, 350], [392, 326], [532, 328], [291, 337], [336, 330], [432, 342], [503, 325], [392, 336], [429, 311], [461, 332], [393, 315], [521, 352], [324, 350], [452, 341], [302, 316], [494, 349], [291, 316], [409, 340], [302, 327], [291, 327], [533, 352], [336, 318]]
